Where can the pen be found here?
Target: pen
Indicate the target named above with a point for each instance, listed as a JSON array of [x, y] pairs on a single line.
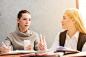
[[41, 38], [6, 46], [3, 43]]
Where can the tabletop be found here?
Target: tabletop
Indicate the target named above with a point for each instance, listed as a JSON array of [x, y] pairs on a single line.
[[68, 55]]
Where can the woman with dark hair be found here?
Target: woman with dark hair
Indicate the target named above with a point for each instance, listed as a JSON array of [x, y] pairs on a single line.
[[22, 33]]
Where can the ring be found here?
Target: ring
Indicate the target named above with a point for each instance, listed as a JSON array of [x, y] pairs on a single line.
[[29, 48]]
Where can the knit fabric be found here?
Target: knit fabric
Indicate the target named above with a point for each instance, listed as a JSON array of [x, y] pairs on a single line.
[[16, 39]]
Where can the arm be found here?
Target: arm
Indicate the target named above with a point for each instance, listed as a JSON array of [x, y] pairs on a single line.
[[84, 47], [8, 42], [36, 43], [6, 48], [53, 47], [42, 44], [55, 43]]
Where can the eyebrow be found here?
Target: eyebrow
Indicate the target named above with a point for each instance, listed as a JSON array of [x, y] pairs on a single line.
[[63, 16]]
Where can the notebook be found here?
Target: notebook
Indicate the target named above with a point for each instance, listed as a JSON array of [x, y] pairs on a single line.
[[64, 49], [44, 54], [18, 52]]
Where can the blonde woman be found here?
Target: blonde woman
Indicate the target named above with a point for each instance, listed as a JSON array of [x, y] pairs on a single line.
[[74, 36]]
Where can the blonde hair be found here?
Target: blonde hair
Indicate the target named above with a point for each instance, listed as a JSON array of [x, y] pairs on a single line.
[[77, 16]]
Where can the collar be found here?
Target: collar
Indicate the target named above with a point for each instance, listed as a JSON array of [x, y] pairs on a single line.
[[19, 33], [76, 35]]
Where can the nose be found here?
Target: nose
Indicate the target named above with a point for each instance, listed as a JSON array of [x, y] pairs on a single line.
[[27, 22], [61, 20]]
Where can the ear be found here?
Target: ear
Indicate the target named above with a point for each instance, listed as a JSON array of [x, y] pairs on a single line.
[[17, 20], [73, 21]]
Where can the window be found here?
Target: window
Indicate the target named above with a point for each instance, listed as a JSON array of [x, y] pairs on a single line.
[[81, 5]]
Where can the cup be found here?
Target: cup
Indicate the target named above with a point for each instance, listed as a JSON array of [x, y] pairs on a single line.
[[26, 43]]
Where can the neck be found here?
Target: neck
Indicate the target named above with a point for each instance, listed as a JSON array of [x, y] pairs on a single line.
[[22, 30], [71, 32]]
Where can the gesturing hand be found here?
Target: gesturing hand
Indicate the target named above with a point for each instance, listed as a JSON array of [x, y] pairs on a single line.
[[42, 44]]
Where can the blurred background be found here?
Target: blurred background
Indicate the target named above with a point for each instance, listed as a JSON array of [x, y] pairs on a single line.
[[46, 16]]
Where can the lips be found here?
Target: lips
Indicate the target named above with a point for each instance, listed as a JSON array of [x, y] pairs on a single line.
[[62, 24], [26, 25]]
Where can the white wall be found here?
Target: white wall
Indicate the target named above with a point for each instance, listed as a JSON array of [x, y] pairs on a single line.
[[46, 16]]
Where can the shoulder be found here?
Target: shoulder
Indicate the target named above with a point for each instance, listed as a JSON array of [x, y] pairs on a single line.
[[11, 34], [82, 34], [34, 33], [63, 32]]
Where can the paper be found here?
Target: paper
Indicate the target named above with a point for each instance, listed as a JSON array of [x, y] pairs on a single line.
[[58, 54], [44, 54], [38, 53], [19, 51], [61, 48]]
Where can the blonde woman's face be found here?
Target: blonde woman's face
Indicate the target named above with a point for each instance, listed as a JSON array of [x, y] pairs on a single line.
[[66, 22], [24, 21]]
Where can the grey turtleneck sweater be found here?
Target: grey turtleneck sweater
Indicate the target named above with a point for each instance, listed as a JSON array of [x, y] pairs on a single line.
[[16, 39]]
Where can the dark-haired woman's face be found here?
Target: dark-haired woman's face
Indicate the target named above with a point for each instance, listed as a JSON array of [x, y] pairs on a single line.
[[24, 21]]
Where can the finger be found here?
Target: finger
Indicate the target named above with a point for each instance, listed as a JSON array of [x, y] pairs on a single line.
[[4, 50], [40, 44], [43, 38], [40, 40], [9, 48], [41, 47], [5, 47], [23, 47], [28, 49], [29, 46]]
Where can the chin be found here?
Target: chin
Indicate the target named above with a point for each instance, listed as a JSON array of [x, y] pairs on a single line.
[[64, 28], [26, 28]]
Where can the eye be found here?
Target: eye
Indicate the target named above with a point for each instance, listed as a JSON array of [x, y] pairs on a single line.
[[64, 18], [24, 19], [29, 19]]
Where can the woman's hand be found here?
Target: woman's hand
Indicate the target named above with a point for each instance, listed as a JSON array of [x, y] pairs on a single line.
[[29, 47], [42, 44], [5, 48]]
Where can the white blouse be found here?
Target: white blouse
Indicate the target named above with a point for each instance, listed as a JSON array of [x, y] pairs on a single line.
[[69, 43]]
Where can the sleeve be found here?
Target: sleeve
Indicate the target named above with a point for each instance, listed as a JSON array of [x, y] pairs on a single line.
[[36, 43], [84, 47], [55, 43], [7, 42]]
